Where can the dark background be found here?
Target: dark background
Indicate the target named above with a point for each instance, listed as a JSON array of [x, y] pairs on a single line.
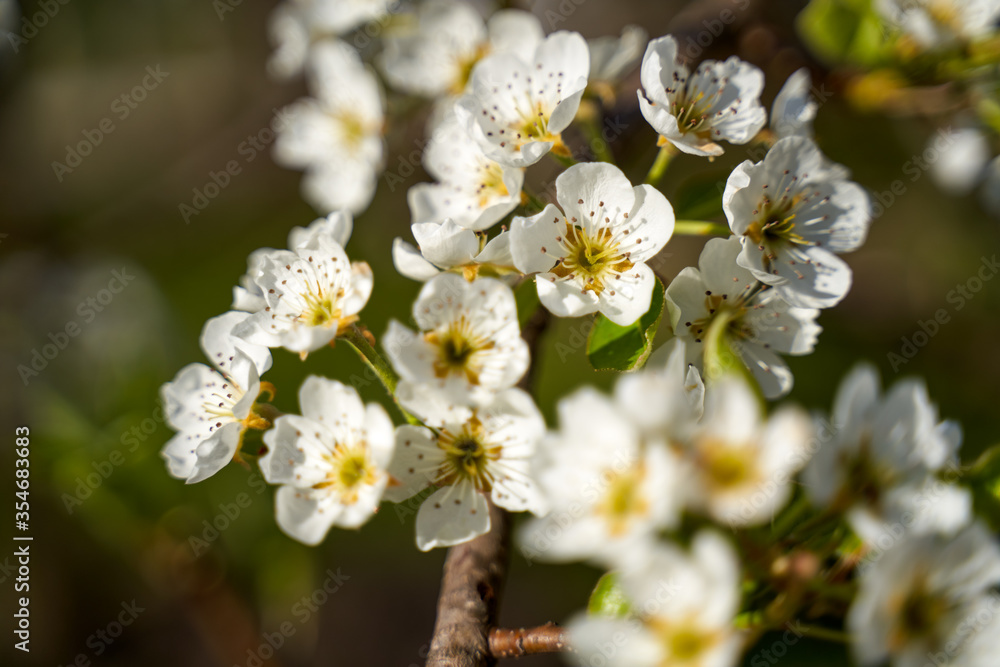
[[129, 538]]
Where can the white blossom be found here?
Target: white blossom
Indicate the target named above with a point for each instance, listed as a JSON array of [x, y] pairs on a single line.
[[930, 600], [611, 58], [472, 190], [448, 247], [591, 255], [484, 454], [739, 465], [519, 104], [793, 211], [685, 607], [694, 111], [437, 55], [331, 461], [312, 294], [249, 296], [794, 108], [961, 164], [469, 343], [760, 325], [211, 407], [881, 458], [336, 136], [605, 491], [941, 23]]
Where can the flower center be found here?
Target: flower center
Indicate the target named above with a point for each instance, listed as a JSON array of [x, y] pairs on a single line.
[[591, 258], [718, 305], [467, 456], [492, 184], [348, 470], [684, 642], [464, 66], [322, 311], [726, 466], [919, 615], [458, 349], [624, 499]]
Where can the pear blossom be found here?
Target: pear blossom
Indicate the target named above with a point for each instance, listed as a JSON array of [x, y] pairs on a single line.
[[249, 296], [937, 24], [761, 324], [472, 190], [211, 407], [684, 608], [518, 104], [331, 461], [469, 342], [312, 294], [664, 400], [793, 211], [291, 38], [719, 101], [794, 108], [930, 599], [591, 255], [437, 56], [880, 462], [605, 492], [739, 465], [336, 136], [448, 247], [611, 58], [481, 455]]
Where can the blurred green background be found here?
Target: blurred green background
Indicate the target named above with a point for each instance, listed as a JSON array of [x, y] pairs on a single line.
[[92, 411]]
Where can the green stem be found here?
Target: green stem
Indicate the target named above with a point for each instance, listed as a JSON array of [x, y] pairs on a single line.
[[701, 228], [386, 375], [533, 201], [663, 158], [597, 143], [787, 522], [827, 634], [564, 160]]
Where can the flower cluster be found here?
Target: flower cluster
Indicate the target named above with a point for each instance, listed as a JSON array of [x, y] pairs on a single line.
[[717, 516]]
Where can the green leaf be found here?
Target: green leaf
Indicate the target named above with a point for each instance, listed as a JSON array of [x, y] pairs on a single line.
[[984, 480], [608, 599], [843, 31], [526, 298], [614, 347]]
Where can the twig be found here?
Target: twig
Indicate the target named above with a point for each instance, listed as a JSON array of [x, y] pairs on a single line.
[[548, 638], [473, 579]]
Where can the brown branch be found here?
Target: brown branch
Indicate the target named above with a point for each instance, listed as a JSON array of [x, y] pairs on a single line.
[[548, 638], [473, 579]]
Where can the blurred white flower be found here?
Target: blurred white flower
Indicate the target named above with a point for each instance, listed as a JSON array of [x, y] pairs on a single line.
[[794, 108], [719, 101], [468, 459], [472, 190], [590, 256], [606, 492], [312, 293], [447, 247], [760, 324], [211, 408], [793, 210], [664, 402], [882, 457], [469, 343], [518, 104], [249, 296], [611, 58], [960, 164], [335, 136], [437, 56], [941, 23], [740, 465], [331, 461], [930, 600], [685, 607]]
